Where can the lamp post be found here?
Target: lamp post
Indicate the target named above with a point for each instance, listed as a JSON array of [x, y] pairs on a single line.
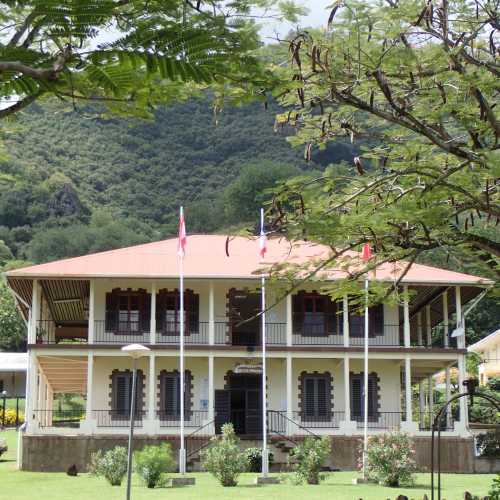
[[135, 351]]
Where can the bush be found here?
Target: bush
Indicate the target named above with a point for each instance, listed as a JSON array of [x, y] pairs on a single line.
[[390, 459], [488, 444], [494, 493], [153, 462], [309, 458], [224, 458], [10, 417], [112, 465], [3, 446], [254, 459]]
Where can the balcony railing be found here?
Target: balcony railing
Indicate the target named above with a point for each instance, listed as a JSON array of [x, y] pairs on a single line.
[[383, 420], [117, 418], [59, 418], [225, 333], [192, 418], [425, 420]]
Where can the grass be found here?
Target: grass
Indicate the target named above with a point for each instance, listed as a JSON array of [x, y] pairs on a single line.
[[338, 485]]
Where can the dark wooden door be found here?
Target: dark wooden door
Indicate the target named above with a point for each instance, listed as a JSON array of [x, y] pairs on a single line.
[[243, 306], [253, 421], [222, 400]]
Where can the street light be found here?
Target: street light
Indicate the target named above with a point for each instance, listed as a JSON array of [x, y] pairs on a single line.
[[135, 351]]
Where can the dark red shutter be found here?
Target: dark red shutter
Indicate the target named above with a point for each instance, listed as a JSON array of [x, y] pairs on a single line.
[[111, 321], [297, 313]]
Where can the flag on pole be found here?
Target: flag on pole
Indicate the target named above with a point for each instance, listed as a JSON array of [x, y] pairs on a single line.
[[366, 253], [262, 239], [181, 244]]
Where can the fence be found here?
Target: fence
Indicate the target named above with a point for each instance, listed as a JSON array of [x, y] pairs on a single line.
[[12, 411]]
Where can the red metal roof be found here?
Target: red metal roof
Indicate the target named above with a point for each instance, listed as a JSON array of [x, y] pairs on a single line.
[[206, 258]]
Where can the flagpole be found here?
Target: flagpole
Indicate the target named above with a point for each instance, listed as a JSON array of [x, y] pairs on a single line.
[[365, 384], [182, 451], [265, 456]]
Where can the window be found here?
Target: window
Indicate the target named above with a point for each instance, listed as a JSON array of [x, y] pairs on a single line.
[[128, 312], [357, 401], [121, 394], [168, 312], [375, 326], [316, 397], [316, 315], [170, 395]]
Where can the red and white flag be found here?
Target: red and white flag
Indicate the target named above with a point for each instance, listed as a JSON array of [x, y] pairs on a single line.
[[366, 253], [262, 239], [181, 243]]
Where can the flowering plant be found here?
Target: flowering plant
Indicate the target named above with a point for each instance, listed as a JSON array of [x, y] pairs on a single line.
[[309, 458], [390, 459]]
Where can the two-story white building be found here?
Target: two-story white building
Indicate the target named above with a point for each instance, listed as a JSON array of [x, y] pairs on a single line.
[[82, 310]]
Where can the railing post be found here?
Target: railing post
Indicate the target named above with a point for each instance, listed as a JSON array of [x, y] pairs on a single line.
[[211, 314], [152, 320], [345, 321], [406, 312], [289, 321], [91, 320]]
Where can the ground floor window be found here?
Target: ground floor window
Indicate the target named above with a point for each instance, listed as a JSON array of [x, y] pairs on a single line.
[[170, 394], [121, 393], [357, 396], [315, 396]]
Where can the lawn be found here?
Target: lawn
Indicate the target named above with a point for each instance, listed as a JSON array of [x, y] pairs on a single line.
[[338, 485]]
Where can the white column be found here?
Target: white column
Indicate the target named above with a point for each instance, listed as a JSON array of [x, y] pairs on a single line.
[[448, 394], [406, 313], [211, 314], [152, 388], [428, 325], [91, 320], [35, 311], [408, 401], [289, 393], [445, 320], [32, 394], [419, 329], [152, 319], [90, 385], [345, 318], [461, 389], [431, 396], [458, 307], [347, 391], [289, 321], [421, 402], [211, 388]]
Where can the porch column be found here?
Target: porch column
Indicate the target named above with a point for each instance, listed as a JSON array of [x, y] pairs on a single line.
[[40, 404], [211, 391], [446, 338], [32, 394], [35, 311], [408, 398], [90, 386], [449, 420], [211, 315], [91, 320], [289, 394], [345, 317], [419, 329], [289, 321], [431, 396], [347, 392], [152, 319], [428, 325], [460, 322], [461, 389], [421, 403], [152, 388], [406, 313]]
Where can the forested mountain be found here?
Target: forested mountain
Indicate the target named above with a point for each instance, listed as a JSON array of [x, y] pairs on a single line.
[[77, 180]]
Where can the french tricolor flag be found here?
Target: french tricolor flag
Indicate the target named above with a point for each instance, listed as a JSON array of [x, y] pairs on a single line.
[[262, 239]]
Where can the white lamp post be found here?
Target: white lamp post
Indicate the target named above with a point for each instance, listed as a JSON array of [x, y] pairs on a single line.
[[135, 351]]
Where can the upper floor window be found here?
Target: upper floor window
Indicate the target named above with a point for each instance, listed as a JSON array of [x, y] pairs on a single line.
[[168, 314], [375, 322], [316, 315], [128, 311]]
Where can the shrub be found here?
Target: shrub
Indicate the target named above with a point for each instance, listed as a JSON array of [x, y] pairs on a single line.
[[390, 459], [112, 465], [488, 445], [224, 458], [494, 493], [10, 417], [3, 446], [153, 462], [309, 458], [254, 459]]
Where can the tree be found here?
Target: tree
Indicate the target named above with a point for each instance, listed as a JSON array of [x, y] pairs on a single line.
[[12, 327], [419, 81], [157, 48]]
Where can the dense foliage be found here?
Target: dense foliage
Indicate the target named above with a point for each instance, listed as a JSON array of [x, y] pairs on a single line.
[[390, 459], [309, 457], [111, 464], [254, 459], [224, 458], [152, 463], [420, 79]]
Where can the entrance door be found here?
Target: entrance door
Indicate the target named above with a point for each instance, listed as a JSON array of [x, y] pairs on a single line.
[[243, 306], [246, 403]]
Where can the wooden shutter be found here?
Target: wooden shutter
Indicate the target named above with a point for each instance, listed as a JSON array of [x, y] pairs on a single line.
[[121, 392], [316, 397], [222, 400], [373, 396], [331, 317], [298, 313], [170, 394], [193, 312], [145, 312], [376, 320], [309, 398], [111, 318], [356, 397]]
